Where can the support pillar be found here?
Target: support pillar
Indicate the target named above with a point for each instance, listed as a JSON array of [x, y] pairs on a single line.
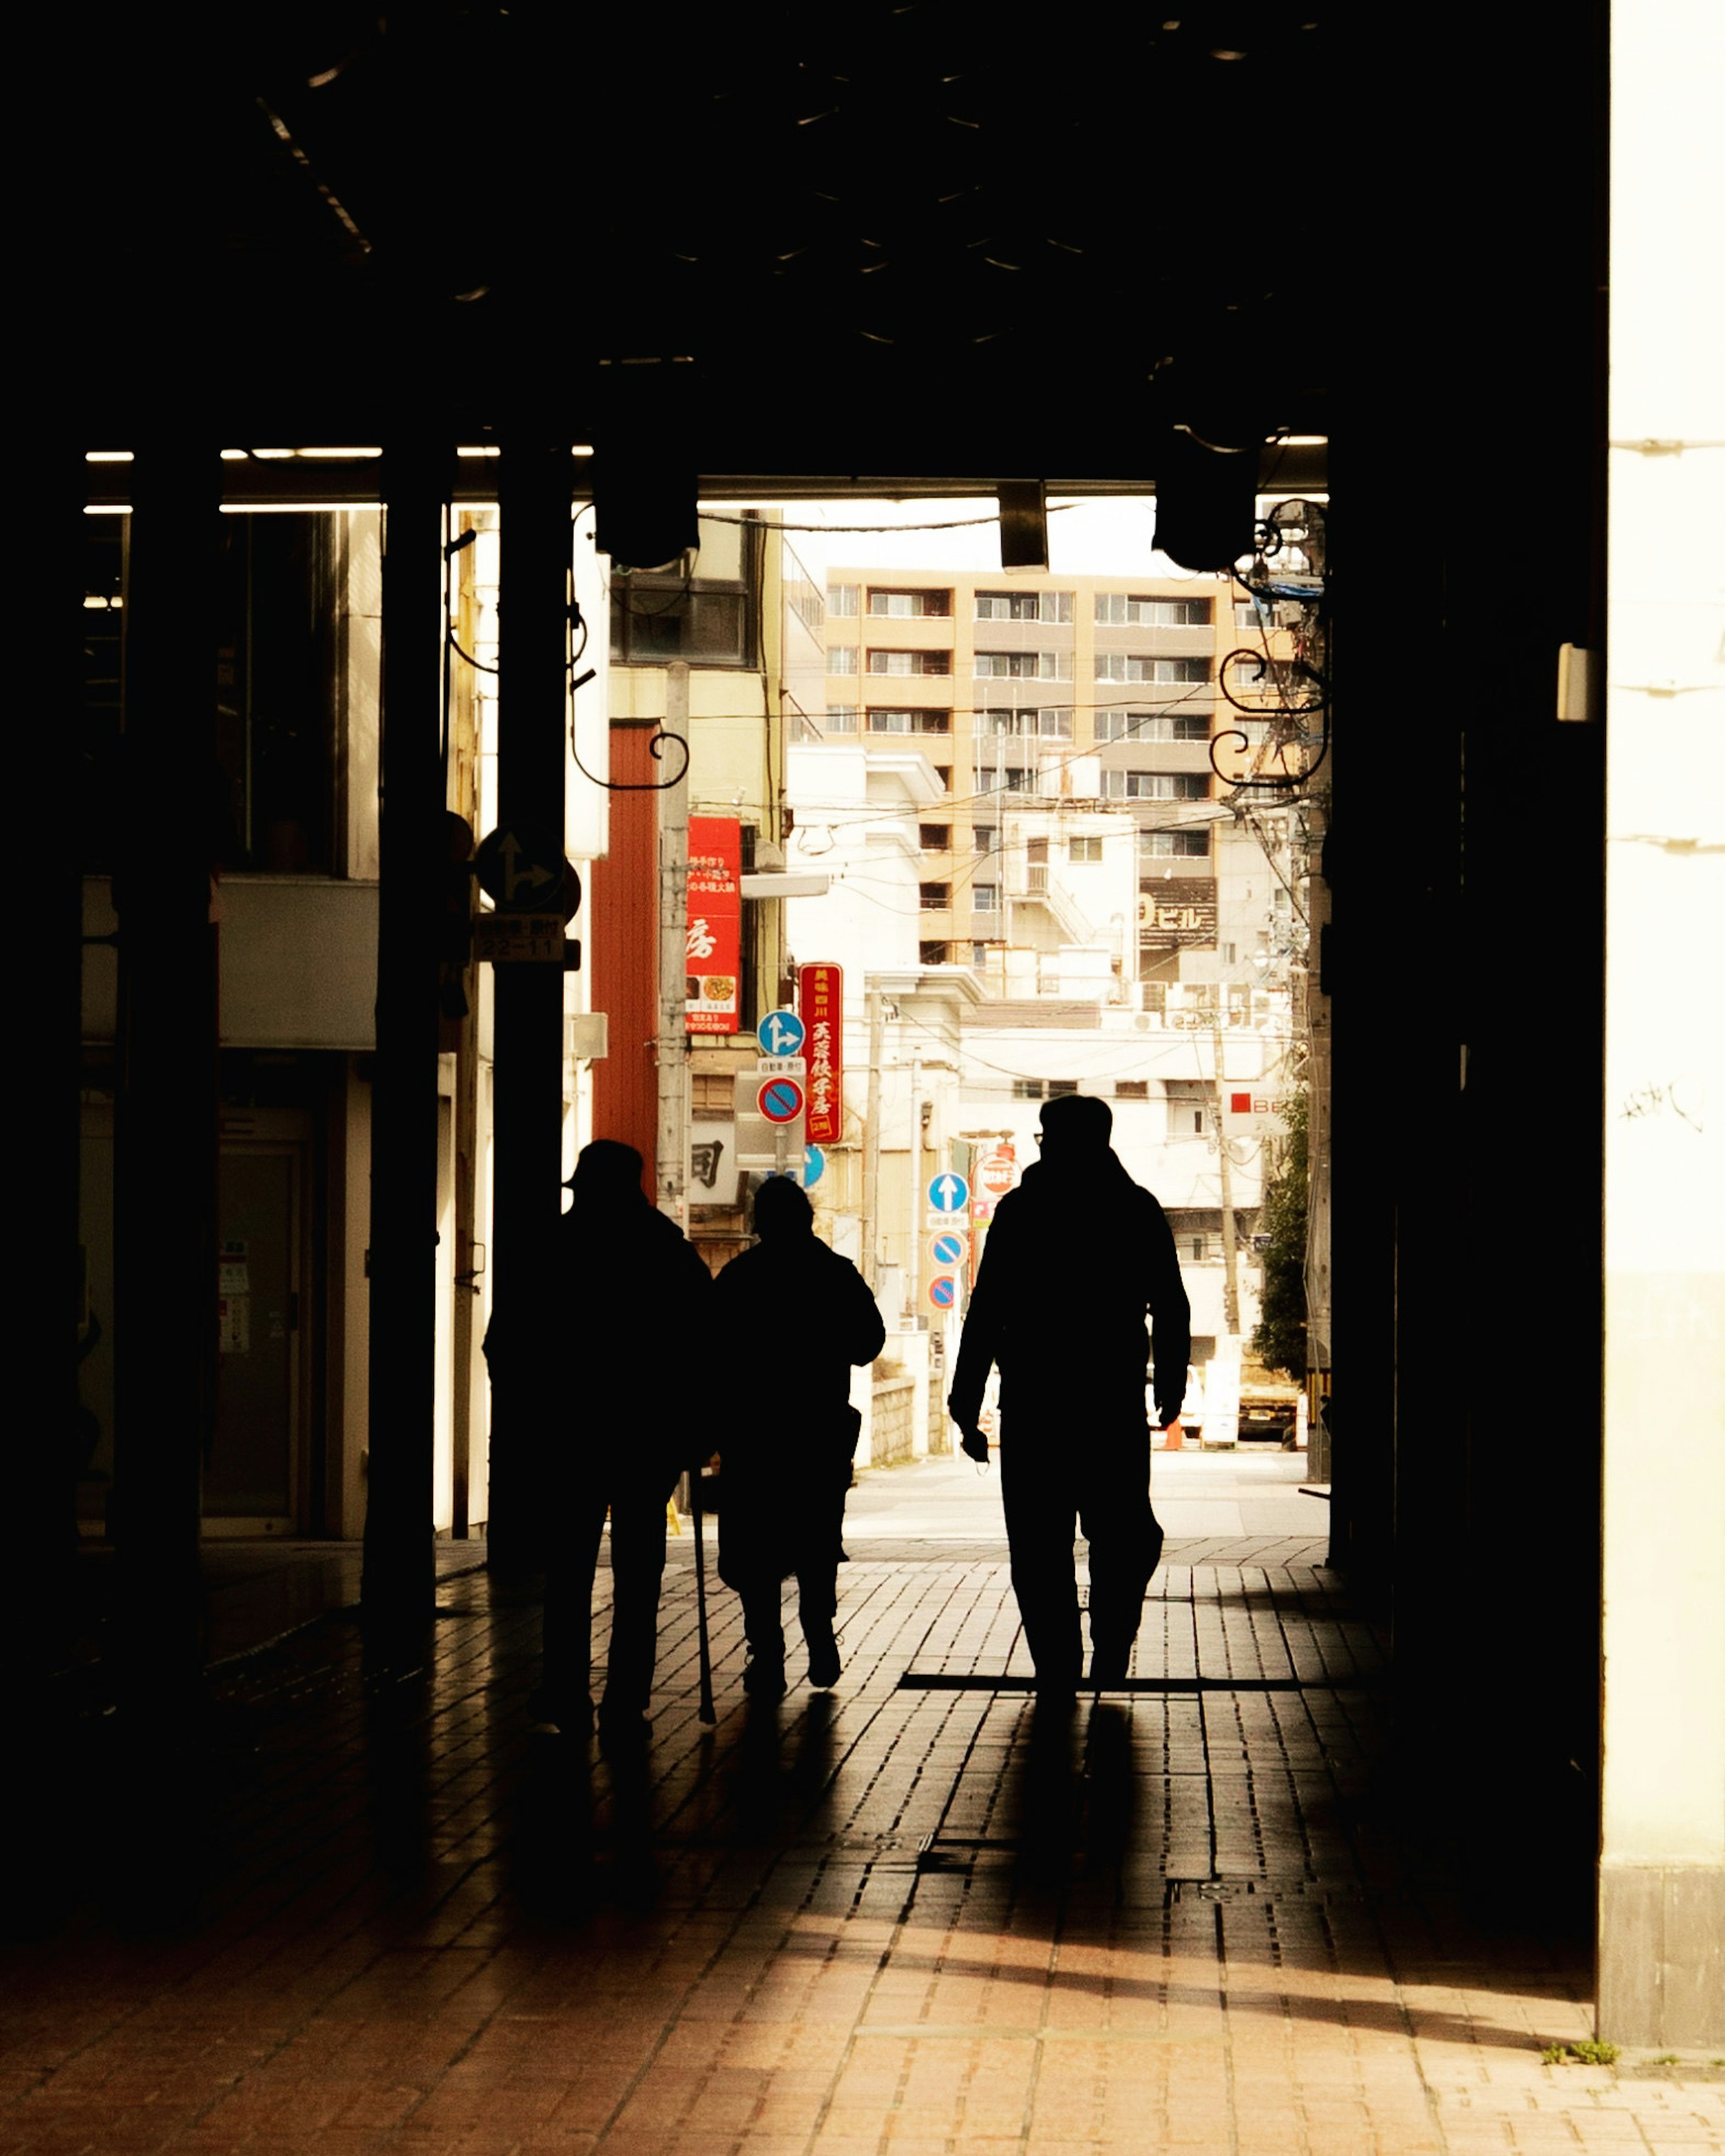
[[529, 1389], [167, 1080], [399, 1580]]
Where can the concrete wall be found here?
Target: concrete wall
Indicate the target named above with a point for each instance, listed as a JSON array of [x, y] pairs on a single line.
[[1662, 1876]]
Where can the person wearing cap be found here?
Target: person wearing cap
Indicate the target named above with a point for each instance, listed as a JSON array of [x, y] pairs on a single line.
[[634, 1294], [807, 1313], [1076, 1258]]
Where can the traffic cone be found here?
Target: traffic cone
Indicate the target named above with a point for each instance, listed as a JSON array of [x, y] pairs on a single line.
[[1174, 1438]]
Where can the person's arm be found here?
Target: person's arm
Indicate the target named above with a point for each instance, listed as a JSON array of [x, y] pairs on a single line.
[[979, 1338], [865, 1330], [1170, 1317]]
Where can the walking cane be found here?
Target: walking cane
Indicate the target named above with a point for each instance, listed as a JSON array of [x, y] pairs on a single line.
[[707, 1714]]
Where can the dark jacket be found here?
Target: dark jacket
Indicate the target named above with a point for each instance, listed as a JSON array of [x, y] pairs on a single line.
[[631, 1303], [1075, 1259], [794, 1317]]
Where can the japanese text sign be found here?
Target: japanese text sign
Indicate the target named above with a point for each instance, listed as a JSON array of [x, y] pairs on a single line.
[[821, 1003], [715, 959]]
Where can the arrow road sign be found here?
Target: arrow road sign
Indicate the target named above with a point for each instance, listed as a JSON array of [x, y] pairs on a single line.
[[780, 1100], [949, 1193], [524, 872], [943, 1292], [781, 1032], [814, 1166]]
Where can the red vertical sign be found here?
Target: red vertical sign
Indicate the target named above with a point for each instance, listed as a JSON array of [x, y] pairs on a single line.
[[715, 959], [821, 1008]]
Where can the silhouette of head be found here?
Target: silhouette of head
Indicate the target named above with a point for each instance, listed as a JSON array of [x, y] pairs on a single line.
[[1075, 1127], [607, 1172], [782, 1207]]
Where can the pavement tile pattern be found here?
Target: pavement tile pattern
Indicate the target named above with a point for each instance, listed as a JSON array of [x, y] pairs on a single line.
[[919, 1915]]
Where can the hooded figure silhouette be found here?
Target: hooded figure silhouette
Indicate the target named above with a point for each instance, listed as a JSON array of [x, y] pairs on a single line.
[[807, 1317], [1075, 1258]]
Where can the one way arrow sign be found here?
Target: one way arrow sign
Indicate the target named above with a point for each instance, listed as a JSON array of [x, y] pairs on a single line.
[[949, 1193]]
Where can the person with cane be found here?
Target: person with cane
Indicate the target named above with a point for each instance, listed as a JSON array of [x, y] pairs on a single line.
[[634, 1294]]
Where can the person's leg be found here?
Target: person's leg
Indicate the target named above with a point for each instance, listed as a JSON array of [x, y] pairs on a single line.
[[764, 1628], [637, 1570], [1125, 1539], [1037, 1496], [817, 1547], [566, 1677]]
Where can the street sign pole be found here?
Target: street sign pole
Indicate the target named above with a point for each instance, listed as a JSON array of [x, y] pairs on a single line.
[[671, 1154]]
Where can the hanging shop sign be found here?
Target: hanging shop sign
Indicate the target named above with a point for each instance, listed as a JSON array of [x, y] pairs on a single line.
[[715, 948], [821, 995]]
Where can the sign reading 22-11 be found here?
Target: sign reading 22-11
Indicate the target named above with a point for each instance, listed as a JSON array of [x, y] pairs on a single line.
[[821, 1002]]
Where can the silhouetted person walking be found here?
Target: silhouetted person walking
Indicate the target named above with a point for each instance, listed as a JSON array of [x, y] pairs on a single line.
[[1075, 1257], [634, 1295], [802, 1316]]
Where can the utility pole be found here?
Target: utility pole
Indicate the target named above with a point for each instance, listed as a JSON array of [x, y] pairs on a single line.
[[871, 1147], [1230, 1278], [913, 1268], [671, 1159]]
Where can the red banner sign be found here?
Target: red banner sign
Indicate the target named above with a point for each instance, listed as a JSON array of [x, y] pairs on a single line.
[[715, 959], [821, 1008]]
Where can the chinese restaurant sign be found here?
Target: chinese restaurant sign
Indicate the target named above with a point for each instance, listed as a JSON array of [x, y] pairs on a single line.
[[715, 959], [821, 1007]]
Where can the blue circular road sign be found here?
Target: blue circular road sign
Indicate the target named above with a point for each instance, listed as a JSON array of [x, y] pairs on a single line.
[[949, 1193], [943, 1293], [948, 1249], [781, 1032], [814, 1166]]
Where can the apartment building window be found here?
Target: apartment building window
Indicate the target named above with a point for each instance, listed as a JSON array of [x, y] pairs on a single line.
[[911, 606], [979, 955], [1029, 1089], [841, 718], [985, 837], [889, 722], [841, 600], [943, 777], [1173, 845], [1023, 666], [1155, 786], [1126, 610], [985, 897], [841, 659], [1131, 1089], [1051, 723], [1140, 666], [931, 954], [935, 838], [1059, 1088], [1153, 726], [1024, 606], [1084, 849], [910, 662], [935, 897]]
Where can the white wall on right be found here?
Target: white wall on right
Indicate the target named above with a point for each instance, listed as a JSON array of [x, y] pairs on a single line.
[[1662, 1877]]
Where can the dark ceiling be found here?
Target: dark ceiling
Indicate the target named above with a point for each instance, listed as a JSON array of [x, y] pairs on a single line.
[[864, 234]]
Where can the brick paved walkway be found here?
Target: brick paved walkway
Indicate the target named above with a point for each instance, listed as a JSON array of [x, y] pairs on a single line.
[[914, 1918]]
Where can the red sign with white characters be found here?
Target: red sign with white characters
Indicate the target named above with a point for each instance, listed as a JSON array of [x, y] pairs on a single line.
[[820, 1005], [715, 959]]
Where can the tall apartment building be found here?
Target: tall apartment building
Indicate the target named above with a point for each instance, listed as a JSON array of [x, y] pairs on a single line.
[[1030, 692]]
